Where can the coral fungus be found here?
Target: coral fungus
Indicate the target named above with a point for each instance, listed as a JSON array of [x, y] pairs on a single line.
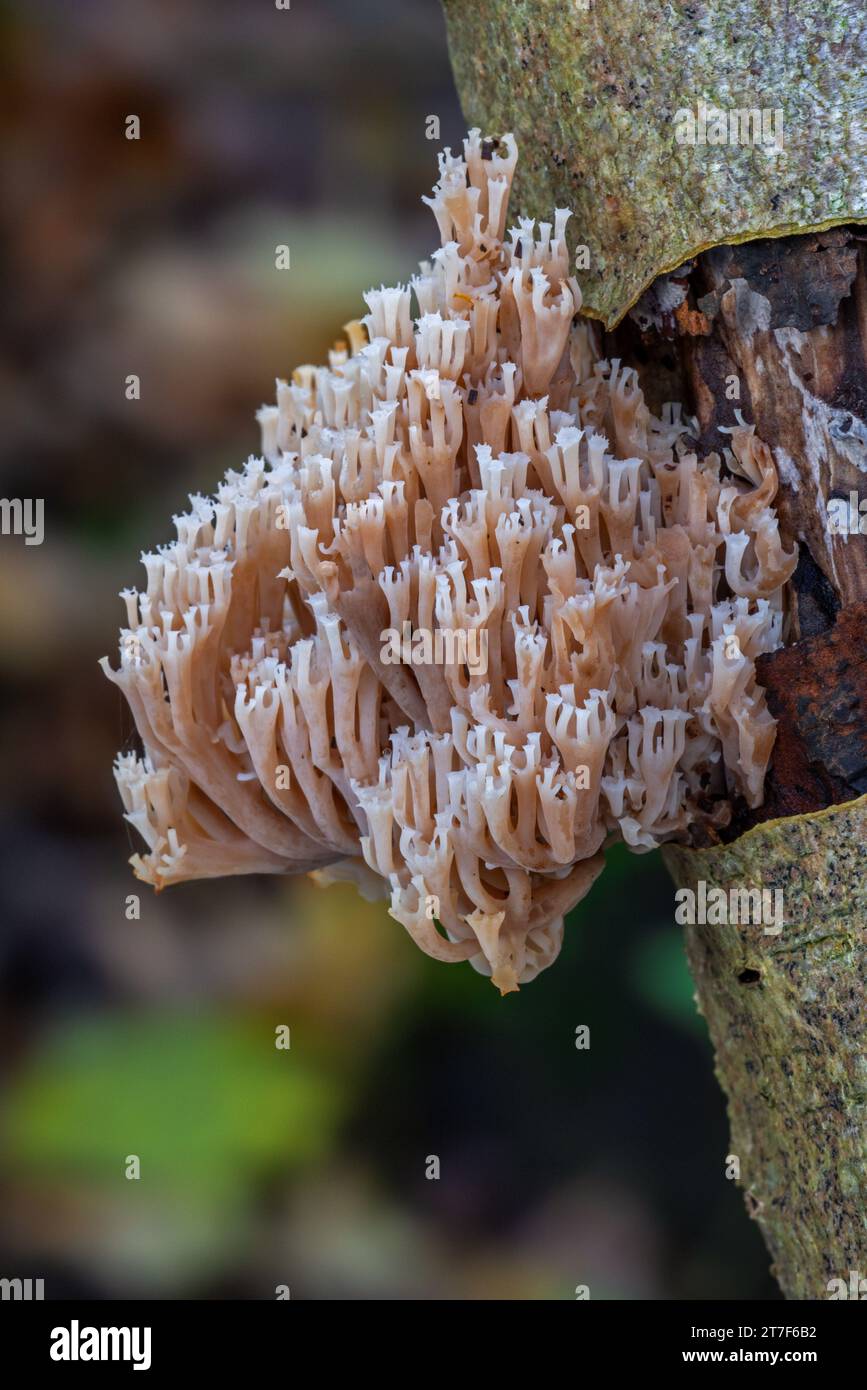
[[475, 467]]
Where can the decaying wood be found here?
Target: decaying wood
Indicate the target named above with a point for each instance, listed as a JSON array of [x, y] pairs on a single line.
[[782, 338], [788, 323], [776, 332], [816, 692]]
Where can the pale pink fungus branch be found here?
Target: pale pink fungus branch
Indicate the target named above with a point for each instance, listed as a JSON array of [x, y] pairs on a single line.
[[474, 468]]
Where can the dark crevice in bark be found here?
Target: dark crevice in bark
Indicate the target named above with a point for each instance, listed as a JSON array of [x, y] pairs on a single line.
[[818, 604], [777, 330]]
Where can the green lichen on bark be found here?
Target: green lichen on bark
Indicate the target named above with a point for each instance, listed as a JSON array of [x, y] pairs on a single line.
[[592, 91], [787, 1015]]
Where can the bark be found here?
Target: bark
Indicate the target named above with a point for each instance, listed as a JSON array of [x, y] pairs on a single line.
[[787, 1015], [596, 92], [776, 328]]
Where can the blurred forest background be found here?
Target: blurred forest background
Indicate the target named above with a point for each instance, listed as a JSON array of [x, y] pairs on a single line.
[[559, 1167]]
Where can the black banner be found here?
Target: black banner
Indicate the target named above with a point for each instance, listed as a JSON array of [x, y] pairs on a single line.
[[153, 1338]]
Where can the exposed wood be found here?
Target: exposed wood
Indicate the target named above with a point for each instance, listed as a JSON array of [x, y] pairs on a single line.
[[817, 691], [776, 331], [783, 339], [785, 321]]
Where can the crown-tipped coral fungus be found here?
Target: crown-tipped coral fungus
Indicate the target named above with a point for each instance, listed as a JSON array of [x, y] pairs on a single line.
[[467, 464]]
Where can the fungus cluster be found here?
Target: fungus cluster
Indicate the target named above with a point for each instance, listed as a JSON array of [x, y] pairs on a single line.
[[464, 462]]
